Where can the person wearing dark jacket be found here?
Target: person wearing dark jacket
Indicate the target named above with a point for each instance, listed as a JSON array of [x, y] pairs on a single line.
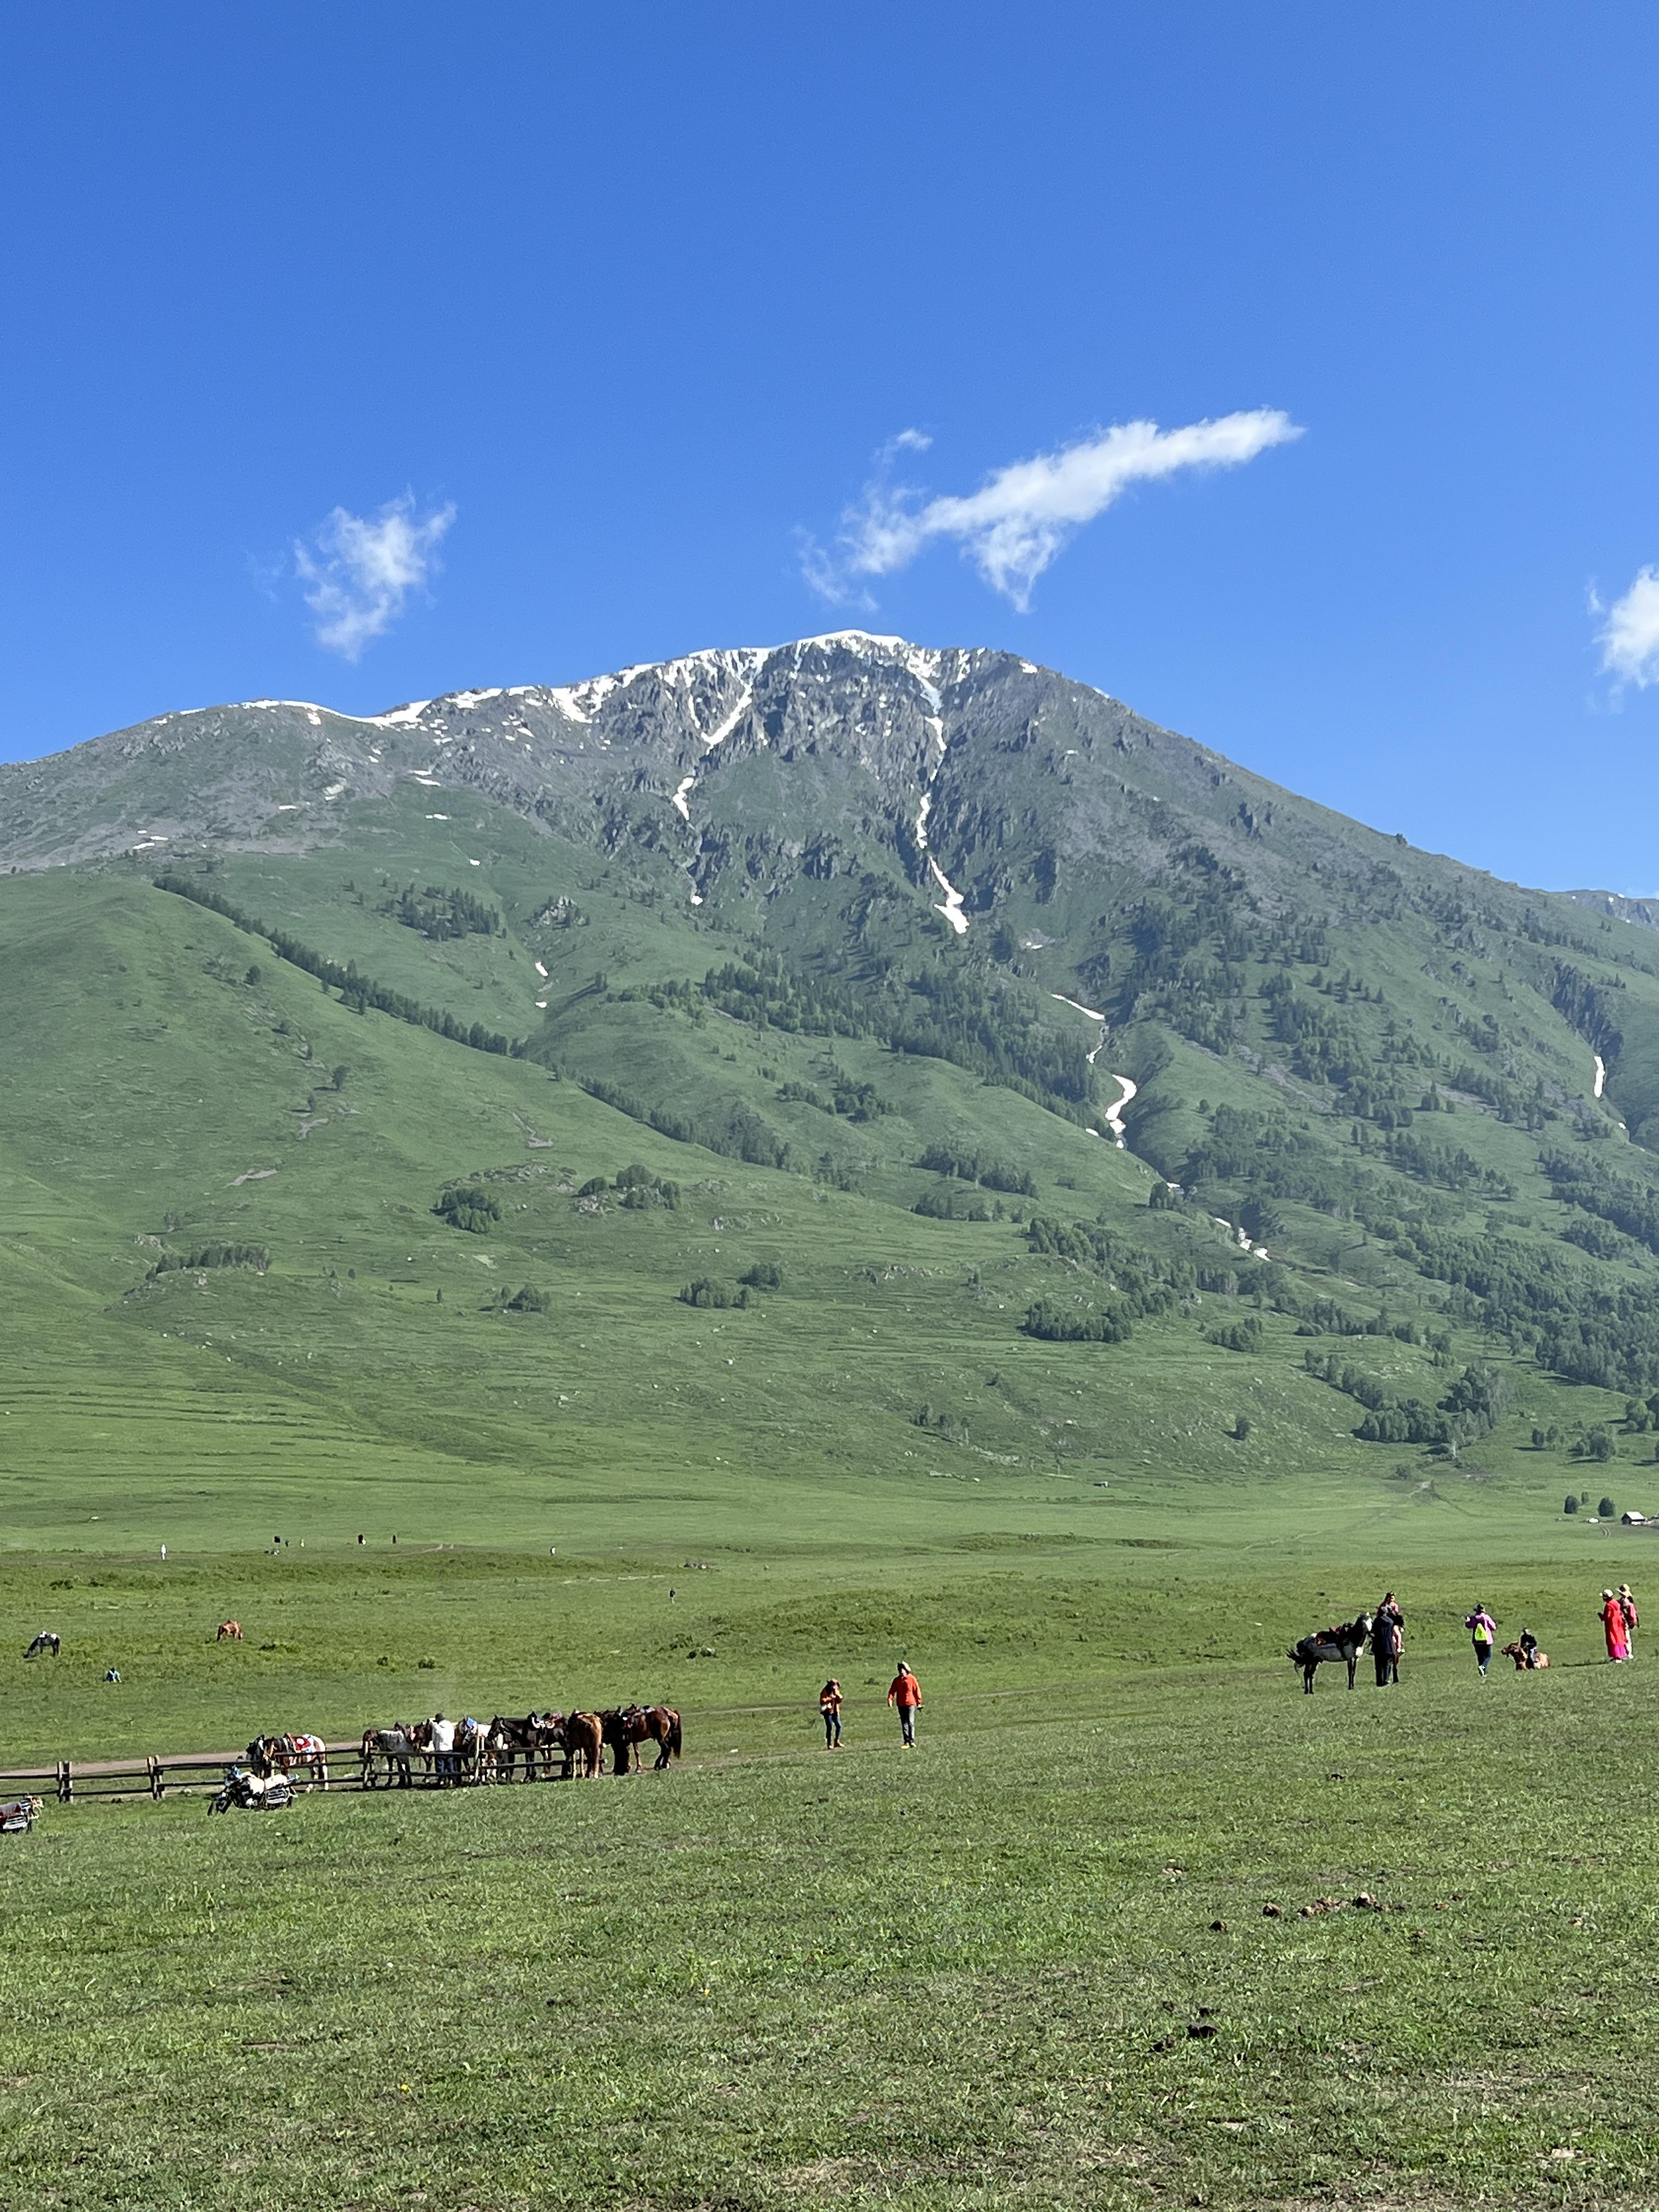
[[1388, 1640], [830, 1702]]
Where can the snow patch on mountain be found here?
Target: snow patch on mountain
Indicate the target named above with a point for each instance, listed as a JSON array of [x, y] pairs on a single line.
[[951, 909]]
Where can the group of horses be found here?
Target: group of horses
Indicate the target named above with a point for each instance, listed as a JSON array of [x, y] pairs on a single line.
[[508, 1749]]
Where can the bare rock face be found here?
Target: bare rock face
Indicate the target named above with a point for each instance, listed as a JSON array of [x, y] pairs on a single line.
[[973, 773]]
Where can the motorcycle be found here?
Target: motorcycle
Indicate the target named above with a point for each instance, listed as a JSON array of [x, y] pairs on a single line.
[[252, 1793]]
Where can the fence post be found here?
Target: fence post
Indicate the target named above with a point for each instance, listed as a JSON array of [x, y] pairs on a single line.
[[155, 1782], [65, 1785]]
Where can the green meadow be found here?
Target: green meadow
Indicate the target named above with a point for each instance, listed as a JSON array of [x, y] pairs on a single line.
[[1029, 1962]]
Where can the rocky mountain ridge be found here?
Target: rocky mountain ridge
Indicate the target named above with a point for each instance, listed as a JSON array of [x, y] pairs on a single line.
[[976, 772]]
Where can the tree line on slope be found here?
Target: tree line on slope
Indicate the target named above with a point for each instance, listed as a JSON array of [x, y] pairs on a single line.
[[359, 993]]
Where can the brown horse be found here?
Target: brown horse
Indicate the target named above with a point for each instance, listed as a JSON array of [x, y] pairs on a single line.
[[584, 1742], [662, 1728], [231, 1629], [626, 1727], [1526, 1661], [621, 1728], [420, 1737]]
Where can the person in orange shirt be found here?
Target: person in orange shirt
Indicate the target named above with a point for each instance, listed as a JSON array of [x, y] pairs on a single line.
[[829, 1708], [905, 1694]]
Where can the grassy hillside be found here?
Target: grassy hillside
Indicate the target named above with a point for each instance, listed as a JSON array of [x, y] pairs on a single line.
[[177, 1101], [1374, 1222]]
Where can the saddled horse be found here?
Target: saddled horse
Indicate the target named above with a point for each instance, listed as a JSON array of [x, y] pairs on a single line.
[[420, 1738], [1345, 1643], [229, 1631], [620, 1734], [46, 1641], [471, 1752], [662, 1728], [285, 1754], [583, 1738], [626, 1727], [1525, 1660], [506, 1742], [551, 1743], [393, 1744]]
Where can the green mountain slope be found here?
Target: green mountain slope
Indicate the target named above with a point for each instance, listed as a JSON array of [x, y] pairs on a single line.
[[406, 1101]]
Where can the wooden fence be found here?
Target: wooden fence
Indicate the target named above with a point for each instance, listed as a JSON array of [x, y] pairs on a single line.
[[74, 1781]]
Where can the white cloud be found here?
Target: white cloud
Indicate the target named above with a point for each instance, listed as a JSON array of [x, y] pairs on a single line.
[[1020, 519], [1629, 636], [359, 572]]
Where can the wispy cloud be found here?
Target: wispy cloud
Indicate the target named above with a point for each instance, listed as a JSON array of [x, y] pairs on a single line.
[[359, 571], [1020, 519], [1629, 638]]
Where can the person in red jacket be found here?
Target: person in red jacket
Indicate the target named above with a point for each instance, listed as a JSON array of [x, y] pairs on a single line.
[[905, 1694]]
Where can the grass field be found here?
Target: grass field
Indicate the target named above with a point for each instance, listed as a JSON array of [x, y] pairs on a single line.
[[961, 1977]]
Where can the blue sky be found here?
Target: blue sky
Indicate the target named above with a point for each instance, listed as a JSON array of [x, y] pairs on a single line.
[[512, 344]]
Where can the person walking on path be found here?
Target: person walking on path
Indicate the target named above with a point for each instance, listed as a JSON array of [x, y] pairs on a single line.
[[830, 1710], [1614, 1629], [1483, 1633], [1632, 1619], [905, 1694], [1388, 1639]]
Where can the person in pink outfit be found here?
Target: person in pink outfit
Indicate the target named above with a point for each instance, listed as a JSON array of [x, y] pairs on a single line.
[[1615, 1628]]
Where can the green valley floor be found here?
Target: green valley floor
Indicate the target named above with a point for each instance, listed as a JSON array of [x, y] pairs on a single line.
[[1032, 1963]]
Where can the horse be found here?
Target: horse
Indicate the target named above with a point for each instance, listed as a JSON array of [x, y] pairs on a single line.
[[1525, 1660], [46, 1641], [551, 1741], [583, 1737], [472, 1742], [392, 1744], [508, 1740], [420, 1739], [231, 1629], [626, 1727], [1345, 1643], [662, 1728], [282, 1754], [620, 1734]]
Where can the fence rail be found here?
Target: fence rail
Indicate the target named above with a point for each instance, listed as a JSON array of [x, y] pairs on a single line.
[[73, 1781]]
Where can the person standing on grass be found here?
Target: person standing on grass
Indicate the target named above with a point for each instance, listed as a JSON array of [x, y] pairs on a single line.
[[1483, 1633], [829, 1709], [905, 1694], [1388, 1640], [1614, 1629], [1632, 1619], [443, 1748]]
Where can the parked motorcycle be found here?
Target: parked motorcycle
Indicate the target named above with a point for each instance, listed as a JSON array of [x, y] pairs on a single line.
[[252, 1793]]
